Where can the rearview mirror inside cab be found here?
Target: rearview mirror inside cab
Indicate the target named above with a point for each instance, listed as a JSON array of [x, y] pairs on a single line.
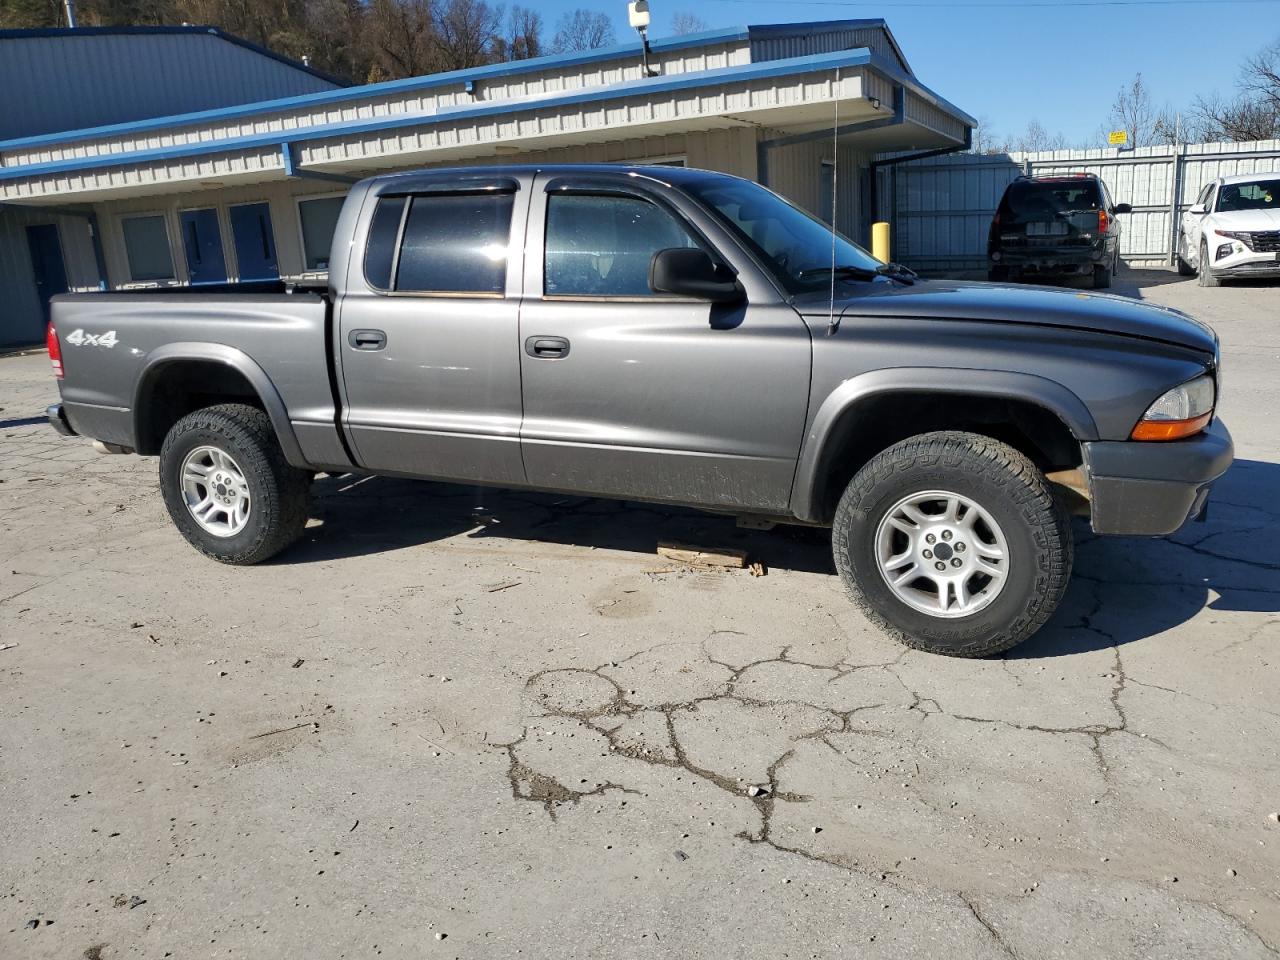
[[689, 272]]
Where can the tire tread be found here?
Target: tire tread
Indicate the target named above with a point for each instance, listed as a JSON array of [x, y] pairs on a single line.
[[1026, 486]]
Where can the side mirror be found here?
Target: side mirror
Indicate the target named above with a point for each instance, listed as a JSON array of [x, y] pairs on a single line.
[[689, 272], [1199, 209], [1123, 208]]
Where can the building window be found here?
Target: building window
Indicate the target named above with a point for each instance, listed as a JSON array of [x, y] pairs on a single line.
[[146, 244], [456, 243], [601, 246], [319, 219]]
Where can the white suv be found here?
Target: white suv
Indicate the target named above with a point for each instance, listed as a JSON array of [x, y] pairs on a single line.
[[1232, 230]]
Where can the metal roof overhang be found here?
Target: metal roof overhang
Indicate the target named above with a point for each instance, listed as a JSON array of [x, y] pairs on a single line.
[[792, 95]]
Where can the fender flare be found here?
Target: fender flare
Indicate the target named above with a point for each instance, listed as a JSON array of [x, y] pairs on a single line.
[[237, 360], [1000, 384]]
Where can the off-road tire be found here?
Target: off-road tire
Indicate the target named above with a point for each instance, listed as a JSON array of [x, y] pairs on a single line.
[[1008, 486], [279, 493], [1101, 278], [998, 275], [1206, 275]]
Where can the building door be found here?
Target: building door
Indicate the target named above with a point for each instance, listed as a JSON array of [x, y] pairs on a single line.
[[255, 241], [203, 243], [46, 262]]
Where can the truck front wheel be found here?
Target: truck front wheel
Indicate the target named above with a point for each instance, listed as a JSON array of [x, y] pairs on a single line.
[[953, 543], [228, 487]]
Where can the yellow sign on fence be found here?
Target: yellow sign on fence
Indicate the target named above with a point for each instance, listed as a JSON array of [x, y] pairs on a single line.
[[1118, 138]]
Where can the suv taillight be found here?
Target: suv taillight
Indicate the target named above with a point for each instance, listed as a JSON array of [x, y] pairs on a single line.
[[1102, 221], [55, 352]]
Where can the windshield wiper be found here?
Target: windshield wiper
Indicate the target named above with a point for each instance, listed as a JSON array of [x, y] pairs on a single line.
[[840, 270], [896, 271]]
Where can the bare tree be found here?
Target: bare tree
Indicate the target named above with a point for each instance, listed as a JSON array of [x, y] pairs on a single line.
[[465, 31], [582, 30], [1238, 120], [400, 38], [1134, 113], [682, 23], [1036, 139], [1254, 112], [523, 37]]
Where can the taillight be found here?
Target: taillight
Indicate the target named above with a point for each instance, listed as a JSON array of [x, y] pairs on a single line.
[[55, 352], [1102, 221]]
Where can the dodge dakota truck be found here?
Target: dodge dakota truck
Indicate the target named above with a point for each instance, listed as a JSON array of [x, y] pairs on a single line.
[[671, 335]]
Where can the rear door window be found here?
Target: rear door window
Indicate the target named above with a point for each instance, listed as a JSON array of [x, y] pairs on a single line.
[[453, 243]]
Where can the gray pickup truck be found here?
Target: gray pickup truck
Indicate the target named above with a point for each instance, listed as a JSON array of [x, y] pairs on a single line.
[[672, 335]]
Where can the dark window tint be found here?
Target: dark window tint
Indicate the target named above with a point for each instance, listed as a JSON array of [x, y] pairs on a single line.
[[601, 246], [456, 243], [319, 219], [146, 243], [382, 242], [1027, 200]]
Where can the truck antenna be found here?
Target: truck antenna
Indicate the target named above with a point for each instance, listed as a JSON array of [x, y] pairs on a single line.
[[833, 322]]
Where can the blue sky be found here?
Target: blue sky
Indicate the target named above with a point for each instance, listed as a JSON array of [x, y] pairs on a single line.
[[1011, 61]]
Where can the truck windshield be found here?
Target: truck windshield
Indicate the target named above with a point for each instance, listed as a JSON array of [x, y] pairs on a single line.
[[793, 245]]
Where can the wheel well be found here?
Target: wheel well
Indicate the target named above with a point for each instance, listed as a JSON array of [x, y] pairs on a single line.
[[178, 388], [877, 423]]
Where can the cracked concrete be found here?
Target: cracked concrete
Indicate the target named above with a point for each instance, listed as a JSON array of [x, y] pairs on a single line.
[[359, 746]]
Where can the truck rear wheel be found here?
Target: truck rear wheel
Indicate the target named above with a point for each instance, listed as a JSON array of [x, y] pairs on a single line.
[[953, 543], [228, 487]]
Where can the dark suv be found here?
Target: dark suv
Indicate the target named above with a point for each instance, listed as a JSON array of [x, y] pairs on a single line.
[[1056, 227]]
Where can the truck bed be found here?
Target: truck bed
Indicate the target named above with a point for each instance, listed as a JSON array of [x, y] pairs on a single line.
[[275, 336]]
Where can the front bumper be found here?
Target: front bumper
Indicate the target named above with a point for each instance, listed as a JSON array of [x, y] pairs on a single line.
[[1152, 489], [58, 420]]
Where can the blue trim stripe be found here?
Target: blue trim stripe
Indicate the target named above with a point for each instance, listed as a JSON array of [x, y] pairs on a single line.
[[653, 85], [47, 32], [367, 91]]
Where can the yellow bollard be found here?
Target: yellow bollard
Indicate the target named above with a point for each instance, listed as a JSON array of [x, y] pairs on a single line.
[[880, 241]]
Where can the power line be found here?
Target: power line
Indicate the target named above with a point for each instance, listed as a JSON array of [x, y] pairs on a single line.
[[890, 5]]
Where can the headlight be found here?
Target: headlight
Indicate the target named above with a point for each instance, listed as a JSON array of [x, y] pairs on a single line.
[[1244, 236], [1183, 411]]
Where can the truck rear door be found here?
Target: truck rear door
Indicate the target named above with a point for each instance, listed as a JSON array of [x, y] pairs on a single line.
[[429, 327]]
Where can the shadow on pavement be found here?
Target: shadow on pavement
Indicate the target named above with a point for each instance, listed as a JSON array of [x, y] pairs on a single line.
[[1123, 589]]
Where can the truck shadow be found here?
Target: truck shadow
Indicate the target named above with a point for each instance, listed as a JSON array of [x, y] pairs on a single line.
[[1123, 590]]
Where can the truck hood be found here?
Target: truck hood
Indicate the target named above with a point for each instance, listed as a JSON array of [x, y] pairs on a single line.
[[1010, 303]]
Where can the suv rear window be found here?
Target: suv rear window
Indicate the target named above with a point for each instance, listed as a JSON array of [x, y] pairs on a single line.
[[1027, 200]]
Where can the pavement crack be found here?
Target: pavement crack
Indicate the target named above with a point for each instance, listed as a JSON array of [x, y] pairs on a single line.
[[995, 934]]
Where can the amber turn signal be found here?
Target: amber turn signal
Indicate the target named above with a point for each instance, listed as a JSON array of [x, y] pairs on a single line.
[[1170, 429]]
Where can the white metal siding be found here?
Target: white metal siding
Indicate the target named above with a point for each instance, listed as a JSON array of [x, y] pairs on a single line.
[[375, 102], [941, 208], [67, 82]]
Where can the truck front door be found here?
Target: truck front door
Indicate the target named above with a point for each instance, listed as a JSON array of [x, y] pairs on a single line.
[[428, 333], [633, 394]]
